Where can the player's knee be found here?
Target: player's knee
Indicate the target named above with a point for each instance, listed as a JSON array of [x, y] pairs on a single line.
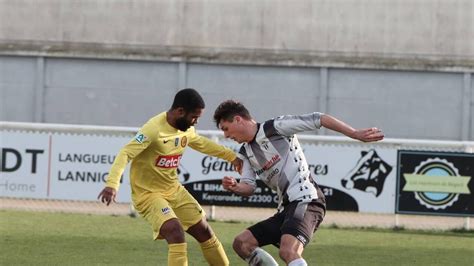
[[172, 231], [242, 246], [238, 244], [287, 254]]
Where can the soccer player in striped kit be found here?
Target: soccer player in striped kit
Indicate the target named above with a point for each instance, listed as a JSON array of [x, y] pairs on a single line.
[[157, 193], [271, 150]]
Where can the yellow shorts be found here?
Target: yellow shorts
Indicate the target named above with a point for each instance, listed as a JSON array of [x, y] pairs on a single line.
[[156, 209]]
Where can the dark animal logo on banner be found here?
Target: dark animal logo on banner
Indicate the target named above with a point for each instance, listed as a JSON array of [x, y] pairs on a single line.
[[183, 172], [369, 173]]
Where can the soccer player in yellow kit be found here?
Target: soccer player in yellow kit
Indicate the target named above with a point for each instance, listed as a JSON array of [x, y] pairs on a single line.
[[156, 192]]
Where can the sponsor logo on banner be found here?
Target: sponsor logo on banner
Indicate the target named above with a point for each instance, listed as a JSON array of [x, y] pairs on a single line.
[[168, 161], [22, 170], [211, 192], [12, 159], [211, 164], [436, 182], [369, 174], [81, 175], [439, 175]]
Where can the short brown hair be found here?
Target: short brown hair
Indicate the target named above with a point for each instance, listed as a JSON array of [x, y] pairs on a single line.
[[227, 110]]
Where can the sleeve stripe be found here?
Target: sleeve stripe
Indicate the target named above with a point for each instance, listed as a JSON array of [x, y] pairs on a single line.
[[242, 151], [269, 128]]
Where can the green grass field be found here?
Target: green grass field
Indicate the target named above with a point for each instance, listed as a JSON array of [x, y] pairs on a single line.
[[35, 238]]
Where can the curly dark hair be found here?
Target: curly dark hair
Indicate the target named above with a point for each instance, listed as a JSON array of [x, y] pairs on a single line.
[[189, 99], [227, 110]]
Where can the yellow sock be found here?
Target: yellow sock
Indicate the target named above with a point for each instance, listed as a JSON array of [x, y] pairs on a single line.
[[214, 252], [177, 254]]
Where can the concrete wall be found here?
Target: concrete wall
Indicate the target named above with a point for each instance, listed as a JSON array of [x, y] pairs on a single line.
[[405, 104], [302, 32], [403, 65]]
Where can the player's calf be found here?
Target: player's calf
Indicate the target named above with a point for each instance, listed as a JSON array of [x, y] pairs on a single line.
[[214, 253]]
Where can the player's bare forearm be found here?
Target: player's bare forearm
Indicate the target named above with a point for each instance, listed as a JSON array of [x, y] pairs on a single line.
[[365, 134], [242, 189], [335, 124]]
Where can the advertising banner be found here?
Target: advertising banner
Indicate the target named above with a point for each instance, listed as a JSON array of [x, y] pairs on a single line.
[[353, 178], [80, 165], [58, 166], [438, 183], [24, 165]]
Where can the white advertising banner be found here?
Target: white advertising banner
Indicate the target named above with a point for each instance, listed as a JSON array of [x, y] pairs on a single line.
[[353, 178], [356, 178], [58, 166], [24, 165], [80, 165]]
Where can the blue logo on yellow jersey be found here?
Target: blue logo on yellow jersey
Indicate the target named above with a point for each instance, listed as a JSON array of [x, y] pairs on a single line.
[[140, 138]]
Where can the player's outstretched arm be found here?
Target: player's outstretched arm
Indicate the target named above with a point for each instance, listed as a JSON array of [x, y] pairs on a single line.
[[229, 183], [365, 134], [107, 195]]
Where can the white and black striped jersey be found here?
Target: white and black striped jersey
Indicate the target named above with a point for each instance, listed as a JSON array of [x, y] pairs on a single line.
[[276, 156]]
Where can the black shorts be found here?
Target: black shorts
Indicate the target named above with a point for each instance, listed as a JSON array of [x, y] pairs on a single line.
[[299, 219]]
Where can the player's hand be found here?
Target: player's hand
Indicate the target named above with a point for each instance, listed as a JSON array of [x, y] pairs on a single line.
[[107, 195], [237, 163], [369, 134], [229, 182]]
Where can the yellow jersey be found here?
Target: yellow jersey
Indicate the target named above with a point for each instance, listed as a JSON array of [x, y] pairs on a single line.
[[155, 153]]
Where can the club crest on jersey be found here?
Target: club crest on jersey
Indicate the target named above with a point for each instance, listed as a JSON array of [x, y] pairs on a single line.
[[168, 161], [140, 137], [265, 145], [184, 141]]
